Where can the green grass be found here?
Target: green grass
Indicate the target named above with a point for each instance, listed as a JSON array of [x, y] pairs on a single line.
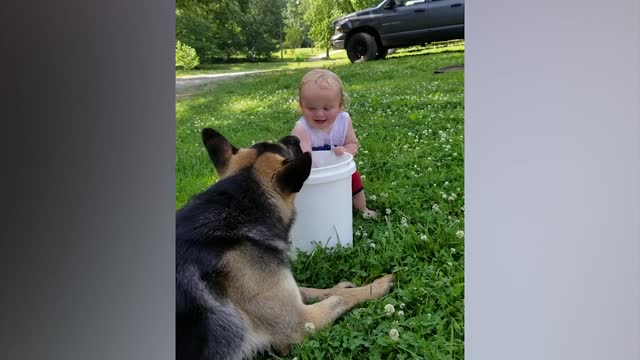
[[289, 59], [288, 62], [410, 125]]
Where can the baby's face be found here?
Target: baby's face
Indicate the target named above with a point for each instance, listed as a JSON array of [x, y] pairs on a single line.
[[320, 105]]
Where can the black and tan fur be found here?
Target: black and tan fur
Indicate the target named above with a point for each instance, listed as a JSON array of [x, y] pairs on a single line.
[[235, 293]]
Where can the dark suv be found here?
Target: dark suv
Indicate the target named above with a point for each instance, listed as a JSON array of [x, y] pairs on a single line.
[[369, 34]]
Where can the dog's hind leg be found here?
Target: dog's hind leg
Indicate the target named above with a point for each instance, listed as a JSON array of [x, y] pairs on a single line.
[[321, 294], [325, 312]]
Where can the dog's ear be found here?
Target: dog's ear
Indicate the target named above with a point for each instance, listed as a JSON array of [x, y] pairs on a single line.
[[293, 175], [219, 148], [293, 144]]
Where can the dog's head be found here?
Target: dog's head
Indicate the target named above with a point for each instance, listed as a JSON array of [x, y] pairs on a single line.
[[281, 168]]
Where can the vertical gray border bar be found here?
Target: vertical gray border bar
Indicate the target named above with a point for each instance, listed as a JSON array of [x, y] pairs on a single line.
[[88, 155], [552, 180]]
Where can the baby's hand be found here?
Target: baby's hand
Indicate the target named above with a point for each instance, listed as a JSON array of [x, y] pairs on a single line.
[[338, 150]]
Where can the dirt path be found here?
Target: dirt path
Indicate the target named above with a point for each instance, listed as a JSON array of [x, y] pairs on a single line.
[[191, 85]]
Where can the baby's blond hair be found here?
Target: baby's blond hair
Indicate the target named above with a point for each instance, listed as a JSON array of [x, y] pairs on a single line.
[[325, 79]]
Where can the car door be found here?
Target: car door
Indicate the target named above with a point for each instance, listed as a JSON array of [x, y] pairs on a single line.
[[404, 24], [445, 19]]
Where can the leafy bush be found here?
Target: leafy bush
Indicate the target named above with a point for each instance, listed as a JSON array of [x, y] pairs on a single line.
[[186, 56]]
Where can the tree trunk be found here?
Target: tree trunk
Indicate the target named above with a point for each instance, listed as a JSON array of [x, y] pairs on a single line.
[[327, 53]]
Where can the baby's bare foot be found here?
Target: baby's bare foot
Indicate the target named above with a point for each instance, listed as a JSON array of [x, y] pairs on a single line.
[[369, 214]]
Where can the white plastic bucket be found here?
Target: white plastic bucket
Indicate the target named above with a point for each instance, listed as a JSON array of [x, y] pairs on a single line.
[[324, 205]]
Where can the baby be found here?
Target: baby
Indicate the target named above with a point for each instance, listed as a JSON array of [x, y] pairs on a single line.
[[325, 125]]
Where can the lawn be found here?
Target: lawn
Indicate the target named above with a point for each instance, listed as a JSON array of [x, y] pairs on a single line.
[[410, 125], [289, 59]]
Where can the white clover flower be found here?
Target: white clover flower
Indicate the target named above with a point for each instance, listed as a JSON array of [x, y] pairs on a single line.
[[365, 234], [402, 305], [400, 313], [446, 183], [424, 237], [453, 250], [389, 309], [373, 197], [435, 207], [394, 183], [394, 335], [309, 327], [357, 232], [388, 211], [429, 169], [460, 234], [372, 245], [384, 195], [429, 316]]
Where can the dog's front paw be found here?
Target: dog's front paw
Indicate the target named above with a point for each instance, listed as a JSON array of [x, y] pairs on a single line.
[[380, 286]]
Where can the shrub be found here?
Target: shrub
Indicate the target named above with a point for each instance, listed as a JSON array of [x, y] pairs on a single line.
[[186, 56]]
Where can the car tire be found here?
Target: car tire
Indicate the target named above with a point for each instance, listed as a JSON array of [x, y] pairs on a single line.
[[361, 47], [382, 53]]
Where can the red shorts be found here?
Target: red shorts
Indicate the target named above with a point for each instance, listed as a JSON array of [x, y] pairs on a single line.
[[356, 183]]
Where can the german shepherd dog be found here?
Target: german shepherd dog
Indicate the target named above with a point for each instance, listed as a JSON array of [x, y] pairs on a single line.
[[235, 293]]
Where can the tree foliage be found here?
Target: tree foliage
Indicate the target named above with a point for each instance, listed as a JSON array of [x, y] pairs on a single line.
[[293, 38], [294, 19], [319, 14], [262, 25], [219, 29]]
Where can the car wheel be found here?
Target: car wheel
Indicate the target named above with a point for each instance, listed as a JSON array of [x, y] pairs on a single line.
[[382, 53], [361, 47]]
